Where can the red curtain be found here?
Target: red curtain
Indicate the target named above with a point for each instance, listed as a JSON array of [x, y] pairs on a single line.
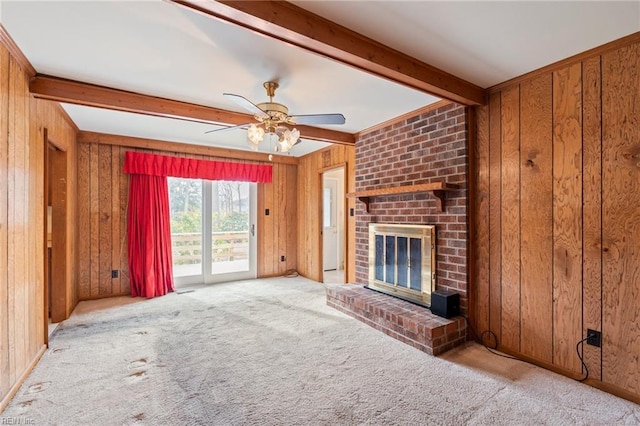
[[149, 233], [149, 230]]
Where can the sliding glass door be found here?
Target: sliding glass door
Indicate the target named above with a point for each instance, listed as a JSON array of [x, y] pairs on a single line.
[[212, 230]]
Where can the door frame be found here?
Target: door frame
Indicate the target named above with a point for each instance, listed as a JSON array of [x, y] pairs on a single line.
[[345, 246], [56, 177]]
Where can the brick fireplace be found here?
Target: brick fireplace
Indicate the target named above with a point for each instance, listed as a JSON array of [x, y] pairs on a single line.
[[428, 148]]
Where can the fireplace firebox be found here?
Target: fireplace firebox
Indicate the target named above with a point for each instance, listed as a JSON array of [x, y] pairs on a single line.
[[402, 261]]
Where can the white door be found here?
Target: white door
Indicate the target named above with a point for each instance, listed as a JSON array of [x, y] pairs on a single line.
[[224, 213], [330, 224]]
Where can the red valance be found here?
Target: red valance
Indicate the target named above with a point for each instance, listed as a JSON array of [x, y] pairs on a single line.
[[163, 165]]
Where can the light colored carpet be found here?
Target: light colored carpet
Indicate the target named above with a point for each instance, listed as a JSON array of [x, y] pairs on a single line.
[[270, 352]]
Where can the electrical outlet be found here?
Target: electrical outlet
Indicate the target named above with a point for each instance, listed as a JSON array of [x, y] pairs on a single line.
[[114, 273], [282, 258], [594, 337]]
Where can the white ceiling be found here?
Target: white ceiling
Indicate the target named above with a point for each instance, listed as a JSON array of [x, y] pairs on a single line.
[[158, 48], [485, 42]]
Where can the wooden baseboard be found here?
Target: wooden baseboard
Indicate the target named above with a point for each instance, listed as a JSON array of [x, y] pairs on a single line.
[[613, 390], [547, 366], [14, 389], [605, 387], [104, 296]]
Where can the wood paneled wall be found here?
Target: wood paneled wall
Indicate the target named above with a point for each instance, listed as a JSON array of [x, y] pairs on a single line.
[[22, 221], [310, 168], [21, 296], [103, 190], [620, 210], [557, 222], [277, 231], [61, 134]]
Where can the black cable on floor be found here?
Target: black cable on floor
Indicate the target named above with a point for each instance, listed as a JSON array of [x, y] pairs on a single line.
[[495, 339], [581, 342], [495, 346]]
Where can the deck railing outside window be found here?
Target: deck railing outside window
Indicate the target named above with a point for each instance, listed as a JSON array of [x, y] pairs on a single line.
[[226, 246]]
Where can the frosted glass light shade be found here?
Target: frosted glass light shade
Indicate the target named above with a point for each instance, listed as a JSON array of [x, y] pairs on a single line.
[[255, 134]]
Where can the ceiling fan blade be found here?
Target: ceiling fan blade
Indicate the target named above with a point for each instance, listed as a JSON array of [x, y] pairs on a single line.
[[312, 119], [222, 129], [246, 104]]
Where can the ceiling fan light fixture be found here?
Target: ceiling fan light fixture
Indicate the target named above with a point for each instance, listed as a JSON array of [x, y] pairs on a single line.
[[255, 134], [287, 139], [271, 117]]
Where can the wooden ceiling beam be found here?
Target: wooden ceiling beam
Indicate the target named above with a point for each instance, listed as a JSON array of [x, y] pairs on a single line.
[[292, 24], [78, 93]]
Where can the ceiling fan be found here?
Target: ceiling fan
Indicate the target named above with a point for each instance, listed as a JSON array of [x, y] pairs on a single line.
[[272, 119]]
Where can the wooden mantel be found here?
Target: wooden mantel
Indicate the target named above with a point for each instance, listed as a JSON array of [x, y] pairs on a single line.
[[438, 190]]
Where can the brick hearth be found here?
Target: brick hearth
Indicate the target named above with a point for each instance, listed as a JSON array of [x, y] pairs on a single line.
[[409, 323]]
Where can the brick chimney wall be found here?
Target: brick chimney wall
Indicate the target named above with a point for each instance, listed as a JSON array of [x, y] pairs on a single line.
[[429, 147]]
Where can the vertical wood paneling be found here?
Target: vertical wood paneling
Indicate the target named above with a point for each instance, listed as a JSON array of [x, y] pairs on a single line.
[[310, 204], [269, 221], [308, 226], [125, 287], [22, 243], [511, 218], [94, 214], [35, 260], [290, 216], [592, 244], [592, 206], [265, 235], [495, 215], [536, 189], [481, 237], [29, 203], [15, 287], [36, 138], [115, 215], [72, 179], [5, 379], [277, 232], [567, 216], [261, 194], [621, 217], [276, 207], [590, 241], [22, 205], [38, 223], [105, 233], [282, 213], [84, 221]]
